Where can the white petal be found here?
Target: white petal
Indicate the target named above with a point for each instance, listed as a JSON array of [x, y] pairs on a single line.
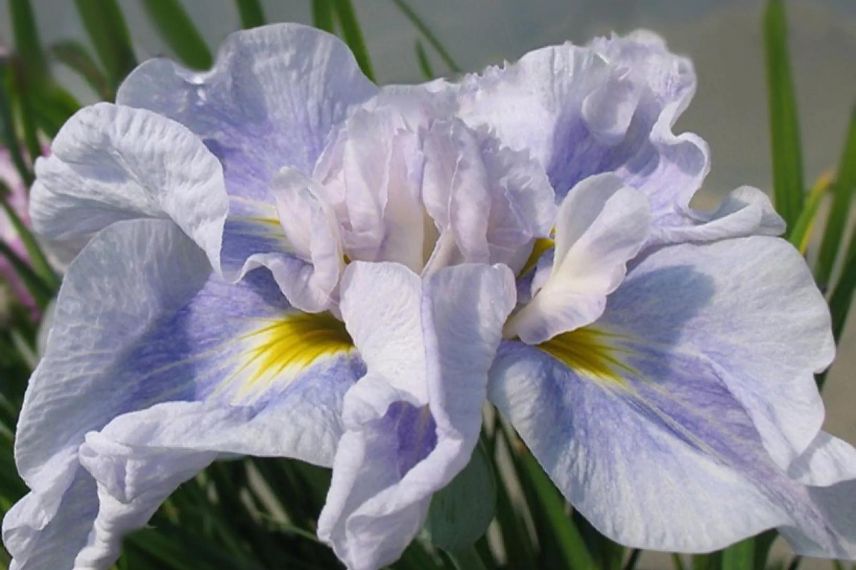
[[111, 163], [601, 225], [404, 441]]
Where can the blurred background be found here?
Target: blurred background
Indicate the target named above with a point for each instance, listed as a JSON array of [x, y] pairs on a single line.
[[724, 38]]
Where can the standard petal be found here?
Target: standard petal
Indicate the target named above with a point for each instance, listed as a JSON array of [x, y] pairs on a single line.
[[147, 339], [601, 225], [608, 107], [111, 163], [414, 419], [671, 422], [270, 100]]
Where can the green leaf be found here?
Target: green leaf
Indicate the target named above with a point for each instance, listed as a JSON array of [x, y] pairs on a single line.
[[424, 62], [27, 43], [571, 545], [842, 195], [106, 27], [37, 288], [784, 126], [347, 18], [176, 28], [74, 55], [739, 556], [800, 234], [251, 13], [763, 544], [461, 512], [430, 37], [7, 128], [842, 295], [39, 261], [322, 15]]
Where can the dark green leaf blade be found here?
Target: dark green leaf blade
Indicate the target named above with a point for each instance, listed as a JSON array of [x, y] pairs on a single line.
[[739, 556], [350, 26], [784, 125], [251, 13], [322, 15], [27, 43], [176, 28], [842, 196], [429, 35], [461, 512], [74, 55], [108, 32]]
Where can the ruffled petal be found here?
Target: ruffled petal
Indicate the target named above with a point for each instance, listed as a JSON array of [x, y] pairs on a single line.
[[111, 163], [608, 107], [271, 100], [413, 420], [148, 343], [601, 225], [671, 422]]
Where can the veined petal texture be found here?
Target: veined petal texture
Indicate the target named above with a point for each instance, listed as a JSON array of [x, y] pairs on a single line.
[[158, 366]]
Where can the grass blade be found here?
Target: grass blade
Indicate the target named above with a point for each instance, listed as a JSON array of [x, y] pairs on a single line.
[[106, 27], [322, 15], [842, 195], [784, 126], [7, 129], [424, 62], [569, 540], [801, 232], [842, 295], [74, 55], [740, 556], [27, 43], [347, 18], [430, 37], [251, 13], [176, 28]]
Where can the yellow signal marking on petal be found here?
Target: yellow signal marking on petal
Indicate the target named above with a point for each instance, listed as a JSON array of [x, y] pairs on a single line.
[[284, 347], [538, 248], [590, 352]]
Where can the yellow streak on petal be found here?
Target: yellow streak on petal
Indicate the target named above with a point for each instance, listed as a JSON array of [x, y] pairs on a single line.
[[590, 352], [284, 347], [538, 248]]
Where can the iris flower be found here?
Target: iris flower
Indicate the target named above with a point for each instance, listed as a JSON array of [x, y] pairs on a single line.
[[278, 258]]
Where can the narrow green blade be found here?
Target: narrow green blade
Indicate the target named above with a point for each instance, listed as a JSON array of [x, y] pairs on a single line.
[[800, 234], [424, 62], [740, 556], [27, 43], [8, 137], [251, 13], [842, 195], [176, 28], [108, 32], [350, 26], [74, 55], [842, 295], [571, 544], [322, 15], [784, 127], [429, 35]]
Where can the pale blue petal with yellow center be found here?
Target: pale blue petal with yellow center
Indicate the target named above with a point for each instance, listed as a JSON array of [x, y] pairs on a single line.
[[671, 423], [147, 337], [413, 420]]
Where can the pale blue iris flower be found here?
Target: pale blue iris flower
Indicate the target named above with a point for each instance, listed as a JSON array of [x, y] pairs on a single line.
[[277, 258]]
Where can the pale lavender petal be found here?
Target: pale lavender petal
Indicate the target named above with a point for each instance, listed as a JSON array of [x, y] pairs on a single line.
[[413, 420]]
